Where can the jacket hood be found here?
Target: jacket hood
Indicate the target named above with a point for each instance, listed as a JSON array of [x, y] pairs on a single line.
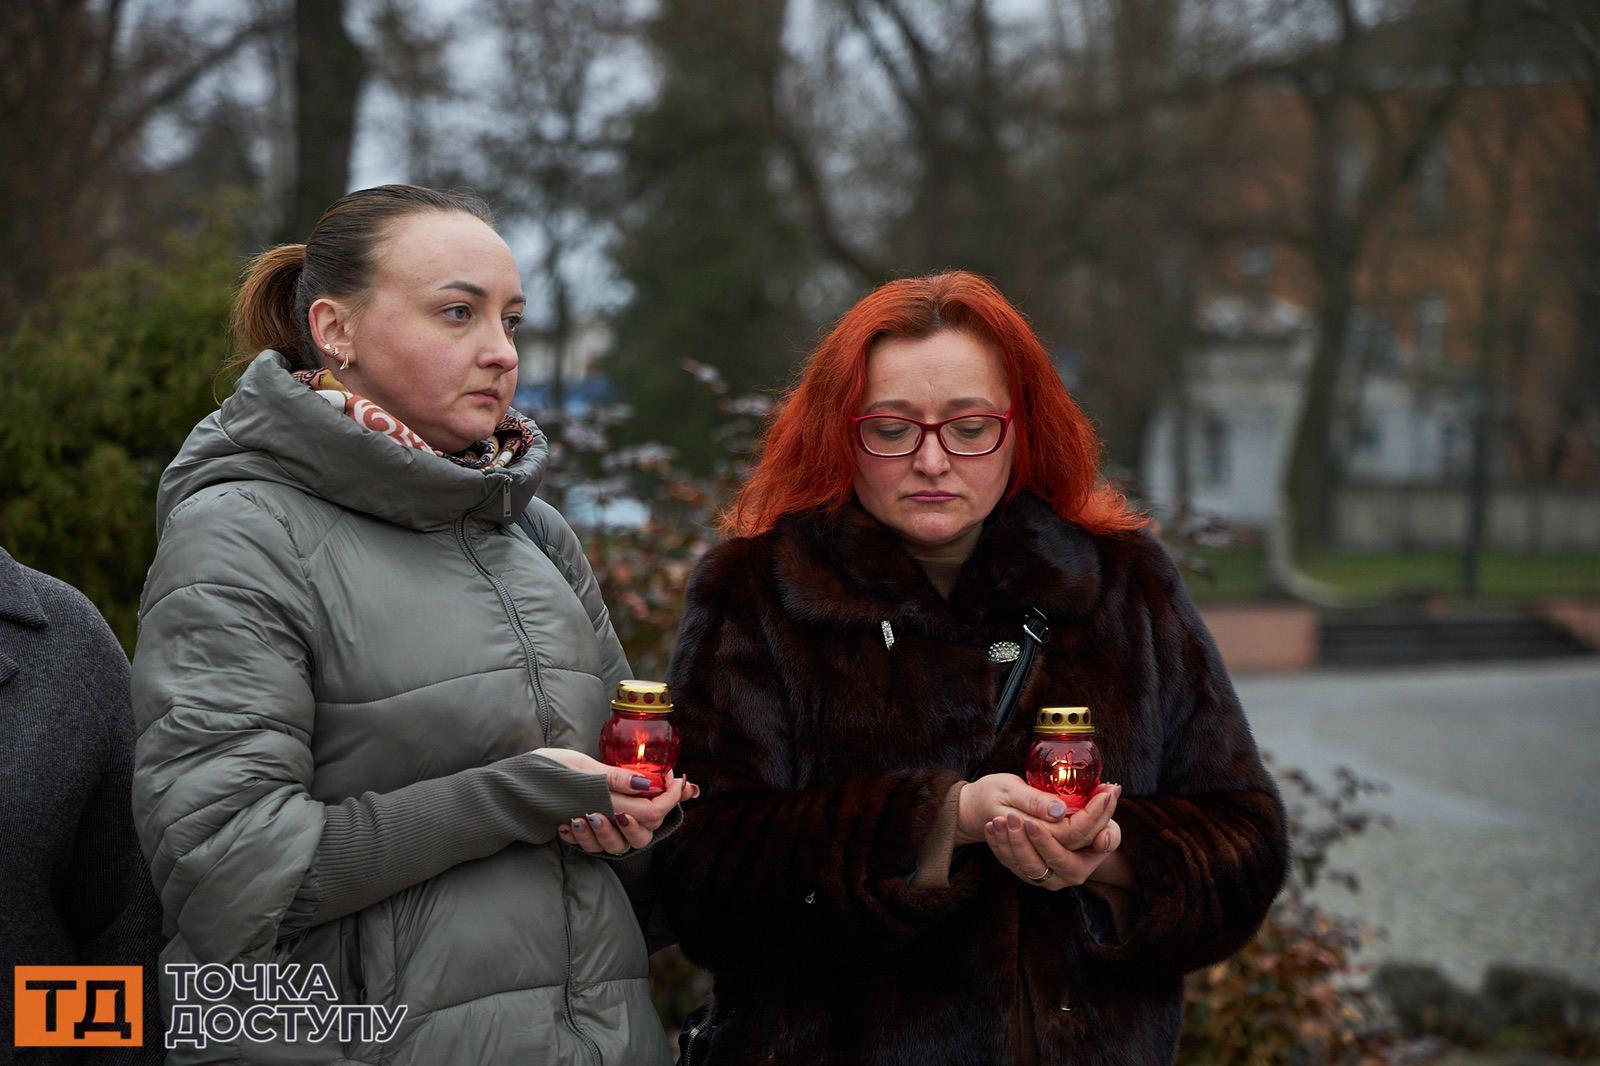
[[275, 429]]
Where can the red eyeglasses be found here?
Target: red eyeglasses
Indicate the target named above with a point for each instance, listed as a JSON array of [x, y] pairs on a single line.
[[893, 436]]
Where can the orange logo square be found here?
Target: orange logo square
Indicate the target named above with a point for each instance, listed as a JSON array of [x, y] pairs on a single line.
[[79, 1006]]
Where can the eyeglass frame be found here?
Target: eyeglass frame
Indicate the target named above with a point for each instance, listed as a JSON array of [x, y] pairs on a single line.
[[938, 435]]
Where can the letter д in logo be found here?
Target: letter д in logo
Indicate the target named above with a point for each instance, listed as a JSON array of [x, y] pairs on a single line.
[[79, 1006]]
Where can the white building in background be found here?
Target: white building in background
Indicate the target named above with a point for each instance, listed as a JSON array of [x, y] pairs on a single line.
[[1243, 389], [589, 505], [578, 360]]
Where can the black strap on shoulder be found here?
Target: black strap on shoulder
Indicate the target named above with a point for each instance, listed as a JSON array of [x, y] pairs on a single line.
[[526, 523], [1035, 631]]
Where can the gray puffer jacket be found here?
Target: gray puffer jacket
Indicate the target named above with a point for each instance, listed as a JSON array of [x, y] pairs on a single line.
[[347, 652]]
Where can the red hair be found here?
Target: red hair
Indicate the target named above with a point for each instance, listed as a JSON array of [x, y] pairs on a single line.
[[1057, 451]]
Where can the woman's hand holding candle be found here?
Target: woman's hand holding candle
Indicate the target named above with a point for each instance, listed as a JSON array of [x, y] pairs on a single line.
[[996, 796], [638, 809], [1059, 854]]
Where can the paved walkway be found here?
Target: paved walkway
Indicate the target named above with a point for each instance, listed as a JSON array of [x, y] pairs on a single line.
[[1494, 789]]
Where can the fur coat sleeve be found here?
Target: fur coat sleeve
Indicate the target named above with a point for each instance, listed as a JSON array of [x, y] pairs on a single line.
[[767, 873], [1207, 845]]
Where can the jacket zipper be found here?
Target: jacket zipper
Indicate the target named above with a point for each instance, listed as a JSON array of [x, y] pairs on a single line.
[[692, 1044], [543, 704], [516, 624], [698, 1035]]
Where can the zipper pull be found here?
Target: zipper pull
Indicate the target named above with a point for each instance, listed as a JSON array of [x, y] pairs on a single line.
[[505, 499]]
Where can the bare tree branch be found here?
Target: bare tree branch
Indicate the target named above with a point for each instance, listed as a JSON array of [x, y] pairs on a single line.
[[824, 223], [131, 122]]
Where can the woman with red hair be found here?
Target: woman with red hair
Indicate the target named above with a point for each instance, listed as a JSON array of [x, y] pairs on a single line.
[[925, 546]]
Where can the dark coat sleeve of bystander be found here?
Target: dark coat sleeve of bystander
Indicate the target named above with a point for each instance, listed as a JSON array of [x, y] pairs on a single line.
[[74, 886]]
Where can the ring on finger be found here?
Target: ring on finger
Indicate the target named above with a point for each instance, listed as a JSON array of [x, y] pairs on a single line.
[[1042, 878]]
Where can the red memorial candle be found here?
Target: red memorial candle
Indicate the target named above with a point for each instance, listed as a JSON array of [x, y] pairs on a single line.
[[639, 736], [1063, 758]]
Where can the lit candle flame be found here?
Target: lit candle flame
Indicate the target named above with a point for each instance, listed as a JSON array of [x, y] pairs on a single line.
[[641, 751]]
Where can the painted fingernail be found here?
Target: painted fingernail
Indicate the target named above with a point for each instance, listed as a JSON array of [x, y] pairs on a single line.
[[1057, 809], [1107, 837], [1032, 828], [567, 829], [579, 823], [596, 820], [1013, 822], [639, 781], [623, 820], [988, 827], [1119, 791]]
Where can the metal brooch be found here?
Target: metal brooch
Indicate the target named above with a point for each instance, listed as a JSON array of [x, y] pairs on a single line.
[[888, 634], [1004, 651]]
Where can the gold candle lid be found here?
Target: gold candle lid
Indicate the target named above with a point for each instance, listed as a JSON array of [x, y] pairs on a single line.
[[643, 697], [1063, 720]]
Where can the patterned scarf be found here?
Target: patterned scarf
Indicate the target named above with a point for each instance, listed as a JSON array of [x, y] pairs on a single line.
[[512, 437]]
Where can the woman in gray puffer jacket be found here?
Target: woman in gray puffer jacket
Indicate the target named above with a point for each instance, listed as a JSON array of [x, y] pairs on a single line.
[[367, 700]]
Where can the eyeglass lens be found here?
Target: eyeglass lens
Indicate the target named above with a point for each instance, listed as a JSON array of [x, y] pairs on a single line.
[[975, 435]]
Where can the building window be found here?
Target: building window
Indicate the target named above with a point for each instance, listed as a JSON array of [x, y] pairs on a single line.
[[1371, 340], [1367, 438], [1453, 443], [1433, 320], [1255, 262], [1214, 455], [1350, 173], [1433, 185], [1068, 361]]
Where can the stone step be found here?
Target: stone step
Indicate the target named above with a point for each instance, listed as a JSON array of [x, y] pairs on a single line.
[[1355, 641]]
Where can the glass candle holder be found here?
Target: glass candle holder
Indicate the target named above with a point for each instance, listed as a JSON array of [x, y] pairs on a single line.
[[1064, 759], [639, 735]]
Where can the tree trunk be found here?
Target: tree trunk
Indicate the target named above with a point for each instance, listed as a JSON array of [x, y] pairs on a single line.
[[1313, 470], [1311, 473], [329, 70], [1182, 487], [1478, 477], [561, 326], [1124, 435]]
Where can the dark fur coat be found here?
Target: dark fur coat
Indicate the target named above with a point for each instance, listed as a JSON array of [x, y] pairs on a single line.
[[824, 754]]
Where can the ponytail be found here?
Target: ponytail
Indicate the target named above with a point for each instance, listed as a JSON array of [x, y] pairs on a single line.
[[266, 312]]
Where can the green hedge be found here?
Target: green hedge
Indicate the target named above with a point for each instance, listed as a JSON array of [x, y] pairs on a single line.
[[101, 386]]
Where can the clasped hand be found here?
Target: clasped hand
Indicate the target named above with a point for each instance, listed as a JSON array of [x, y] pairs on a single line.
[[636, 814], [1031, 833]]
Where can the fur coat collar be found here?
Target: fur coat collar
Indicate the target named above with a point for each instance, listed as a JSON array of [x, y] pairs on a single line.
[[853, 570]]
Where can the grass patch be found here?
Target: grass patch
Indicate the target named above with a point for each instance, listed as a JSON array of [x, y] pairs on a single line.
[[1240, 573]]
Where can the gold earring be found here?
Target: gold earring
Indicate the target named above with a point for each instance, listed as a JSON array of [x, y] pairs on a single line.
[[344, 362]]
